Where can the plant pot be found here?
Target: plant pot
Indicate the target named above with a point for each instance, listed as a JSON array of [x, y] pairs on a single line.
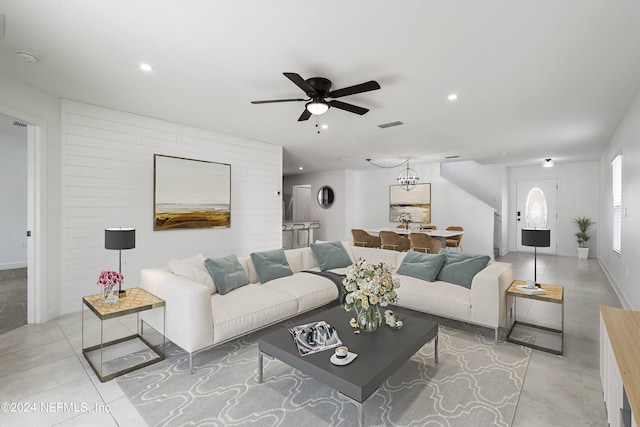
[[583, 253]]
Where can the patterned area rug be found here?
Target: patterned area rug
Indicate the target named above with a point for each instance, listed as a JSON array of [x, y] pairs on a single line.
[[475, 383]]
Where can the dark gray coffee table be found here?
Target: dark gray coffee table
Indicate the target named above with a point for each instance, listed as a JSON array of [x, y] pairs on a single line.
[[380, 353]]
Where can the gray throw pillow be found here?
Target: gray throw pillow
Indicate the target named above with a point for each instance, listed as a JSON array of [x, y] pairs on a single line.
[[271, 265], [331, 255], [460, 269], [421, 266], [227, 273]]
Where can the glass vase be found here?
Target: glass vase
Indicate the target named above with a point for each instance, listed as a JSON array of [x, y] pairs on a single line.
[[369, 319], [109, 295]]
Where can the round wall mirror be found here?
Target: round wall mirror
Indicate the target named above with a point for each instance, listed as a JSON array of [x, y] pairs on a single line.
[[325, 197]]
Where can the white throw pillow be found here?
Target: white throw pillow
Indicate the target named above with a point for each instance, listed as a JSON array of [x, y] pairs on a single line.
[[193, 269]]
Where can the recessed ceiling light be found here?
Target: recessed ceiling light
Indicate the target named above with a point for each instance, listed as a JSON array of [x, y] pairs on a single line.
[[146, 67], [453, 97], [300, 168], [27, 56], [325, 126]]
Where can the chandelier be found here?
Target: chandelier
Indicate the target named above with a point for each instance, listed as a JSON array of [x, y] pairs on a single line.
[[408, 178]]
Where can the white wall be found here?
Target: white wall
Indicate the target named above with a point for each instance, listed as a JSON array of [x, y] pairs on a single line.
[[108, 182], [449, 206], [578, 195], [363, 202], [13, 192], [623, 269], [332, 219]]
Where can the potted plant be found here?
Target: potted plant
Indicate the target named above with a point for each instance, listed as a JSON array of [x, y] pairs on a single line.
[[583, 223]]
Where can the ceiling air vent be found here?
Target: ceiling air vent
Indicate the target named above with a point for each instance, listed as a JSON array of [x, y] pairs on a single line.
[[452, 157], [390, 124]]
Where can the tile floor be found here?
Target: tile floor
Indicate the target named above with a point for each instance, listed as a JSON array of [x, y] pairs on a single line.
[[42, 367]]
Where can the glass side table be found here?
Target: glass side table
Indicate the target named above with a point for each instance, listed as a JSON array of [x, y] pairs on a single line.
[[554, 295], [117, 345]]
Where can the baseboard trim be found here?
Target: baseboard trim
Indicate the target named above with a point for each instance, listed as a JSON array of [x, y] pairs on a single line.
[[13, 265], [621, 296]]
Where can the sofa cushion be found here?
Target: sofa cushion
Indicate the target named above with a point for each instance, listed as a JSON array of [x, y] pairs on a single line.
[[421, 266], [270, 265], [193, 269], [249, 308], [311, 290], [459, 268], [376, 256], [227, 273], [439, 298], [330, 255]]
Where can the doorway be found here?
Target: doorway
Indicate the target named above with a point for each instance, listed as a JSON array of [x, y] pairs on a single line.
[[537, 207], [14, 158]]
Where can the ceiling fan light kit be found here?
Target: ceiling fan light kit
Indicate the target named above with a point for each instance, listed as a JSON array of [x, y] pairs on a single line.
[[317, 107], [319, 88]]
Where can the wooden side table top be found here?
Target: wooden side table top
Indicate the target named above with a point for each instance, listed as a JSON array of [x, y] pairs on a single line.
[[137, 300], [555, 293], [623, 328]]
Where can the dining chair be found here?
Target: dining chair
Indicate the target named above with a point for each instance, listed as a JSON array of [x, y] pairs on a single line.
[[454, 241], [364, 239], [394, 241], [421, 242]]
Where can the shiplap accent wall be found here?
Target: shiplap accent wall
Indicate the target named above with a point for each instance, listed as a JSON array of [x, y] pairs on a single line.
[[108, 182]]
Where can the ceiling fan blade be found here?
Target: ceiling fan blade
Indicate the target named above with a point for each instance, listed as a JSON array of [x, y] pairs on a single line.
[[270, 101], [301, 83], [348, 107], [352, 90], [304, 116]]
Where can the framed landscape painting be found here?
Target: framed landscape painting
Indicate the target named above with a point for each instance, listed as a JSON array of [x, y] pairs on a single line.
[[190, 193], [416, 202]]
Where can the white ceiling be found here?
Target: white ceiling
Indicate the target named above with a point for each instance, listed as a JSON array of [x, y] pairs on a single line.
[[535, 79]]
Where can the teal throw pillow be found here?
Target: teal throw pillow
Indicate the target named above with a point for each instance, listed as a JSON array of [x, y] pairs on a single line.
[[460, 269], [227, 273], [331, 255], [421, 266], [271, 265]]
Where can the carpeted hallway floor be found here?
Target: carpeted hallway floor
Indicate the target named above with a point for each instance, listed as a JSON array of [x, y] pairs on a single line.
[[13, 299]]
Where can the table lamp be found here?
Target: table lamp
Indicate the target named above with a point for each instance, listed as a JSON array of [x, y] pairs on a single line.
[[119, 239], [538, 239]]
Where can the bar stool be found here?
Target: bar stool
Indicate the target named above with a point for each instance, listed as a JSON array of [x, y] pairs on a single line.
[[287, 229], [312, 226], [295, 236]]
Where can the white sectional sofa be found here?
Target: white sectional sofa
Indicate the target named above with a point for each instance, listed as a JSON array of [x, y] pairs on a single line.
[[197, 319]]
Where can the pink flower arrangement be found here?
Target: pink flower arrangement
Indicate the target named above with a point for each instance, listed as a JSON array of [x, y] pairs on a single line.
[[109, 279]]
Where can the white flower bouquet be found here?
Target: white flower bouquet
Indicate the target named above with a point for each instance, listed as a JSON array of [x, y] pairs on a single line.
[[368, 286]]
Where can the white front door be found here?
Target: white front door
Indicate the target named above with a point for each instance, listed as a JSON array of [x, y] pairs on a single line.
[[536, 207]]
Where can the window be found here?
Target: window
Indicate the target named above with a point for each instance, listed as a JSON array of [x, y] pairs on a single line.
[[616, 167], [536, 212]]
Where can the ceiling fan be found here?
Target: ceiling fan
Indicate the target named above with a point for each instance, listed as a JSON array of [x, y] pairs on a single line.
[[319, 88]]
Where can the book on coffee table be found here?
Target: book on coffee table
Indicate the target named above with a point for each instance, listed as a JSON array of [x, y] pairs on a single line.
[[531, 291], [314, 337]]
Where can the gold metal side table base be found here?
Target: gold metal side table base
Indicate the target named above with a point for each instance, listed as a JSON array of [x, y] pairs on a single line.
[[136, 301]]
